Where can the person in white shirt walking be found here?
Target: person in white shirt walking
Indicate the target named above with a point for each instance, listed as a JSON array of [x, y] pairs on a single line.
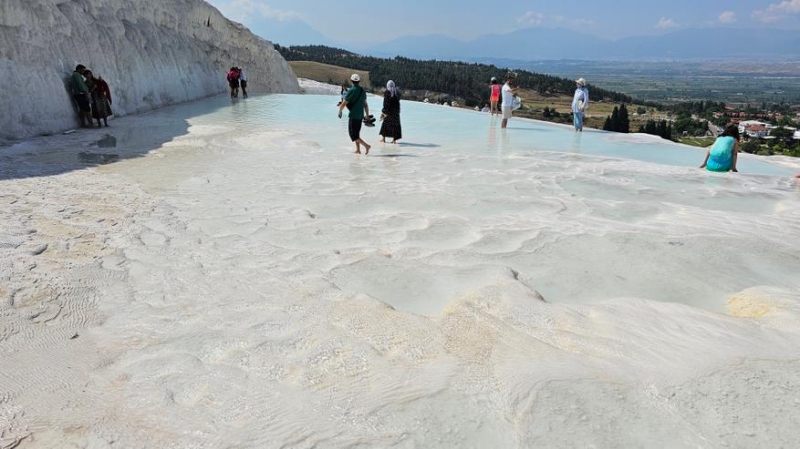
[[508, 99], [579, 103], [243, 82]]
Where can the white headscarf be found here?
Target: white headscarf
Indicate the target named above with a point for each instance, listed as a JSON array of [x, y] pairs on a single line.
[[391, 88]]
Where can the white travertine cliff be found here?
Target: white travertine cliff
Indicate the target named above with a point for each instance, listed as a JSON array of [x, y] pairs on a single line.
[[152, 53]]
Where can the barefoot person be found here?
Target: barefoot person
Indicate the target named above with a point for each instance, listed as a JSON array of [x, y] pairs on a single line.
[[722, 156], [508, 99], [356, 102], [494, 95], [579, 103], [233, 82], [243, 82]]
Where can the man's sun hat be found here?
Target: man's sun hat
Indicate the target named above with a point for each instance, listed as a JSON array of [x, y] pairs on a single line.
[[494, 78], [355, 77], [581, 81]]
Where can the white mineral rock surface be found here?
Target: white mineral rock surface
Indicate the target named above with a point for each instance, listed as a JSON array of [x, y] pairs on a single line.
[[234, 277], [152, 53], [311, 87]]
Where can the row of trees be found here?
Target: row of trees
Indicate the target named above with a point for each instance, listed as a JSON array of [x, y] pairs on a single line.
[[778, 146], [684, 123], [661, 128], [460, 79], [702, 108], [618, 121]]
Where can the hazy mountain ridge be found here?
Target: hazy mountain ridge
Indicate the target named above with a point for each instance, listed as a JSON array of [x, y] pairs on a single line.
[[554, 43], [560, 43]]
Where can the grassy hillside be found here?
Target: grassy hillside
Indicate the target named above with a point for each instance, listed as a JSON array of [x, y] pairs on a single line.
[[533, 103], [326, 73], [467, 82]]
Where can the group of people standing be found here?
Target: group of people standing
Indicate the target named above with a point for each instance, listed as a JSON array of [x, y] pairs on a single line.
[[508, 93], [237, 77], [92, 96], [355, 100]]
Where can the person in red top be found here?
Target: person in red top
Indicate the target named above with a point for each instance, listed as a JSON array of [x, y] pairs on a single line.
[[101, 97], [494, 95], [233, 82]]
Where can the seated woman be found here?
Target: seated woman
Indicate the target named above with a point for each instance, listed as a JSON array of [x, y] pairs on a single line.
[[723, 154]]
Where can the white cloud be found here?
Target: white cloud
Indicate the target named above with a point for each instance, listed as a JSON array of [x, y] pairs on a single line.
[[790, 6], [242, 10], [777, 11], [766, 16], [727, 17], [665, 24], [531, 18]]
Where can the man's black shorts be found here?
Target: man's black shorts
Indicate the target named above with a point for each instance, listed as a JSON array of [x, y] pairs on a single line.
[[244, 84], [83, 102], [354, 128]]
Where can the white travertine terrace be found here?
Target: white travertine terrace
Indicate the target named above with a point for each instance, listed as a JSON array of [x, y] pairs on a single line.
[[151, 53]]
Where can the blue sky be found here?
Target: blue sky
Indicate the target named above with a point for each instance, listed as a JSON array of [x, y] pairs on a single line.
[[465, 19]]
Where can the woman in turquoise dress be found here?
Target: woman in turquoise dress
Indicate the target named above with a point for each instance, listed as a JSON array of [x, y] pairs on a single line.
[[722, 156]]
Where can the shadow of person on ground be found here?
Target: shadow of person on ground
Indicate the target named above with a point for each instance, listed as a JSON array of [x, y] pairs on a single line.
[[417, 145], [130, 137]]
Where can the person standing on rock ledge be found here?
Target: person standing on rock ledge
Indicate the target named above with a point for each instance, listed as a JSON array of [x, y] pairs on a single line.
[[580, 101], [80, 93], [356, 102]]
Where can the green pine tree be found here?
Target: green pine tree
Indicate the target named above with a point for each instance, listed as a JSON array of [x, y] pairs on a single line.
[[624, 124]]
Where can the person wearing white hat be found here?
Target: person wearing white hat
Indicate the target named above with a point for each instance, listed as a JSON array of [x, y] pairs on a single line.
[[356, 101], [579, 103]]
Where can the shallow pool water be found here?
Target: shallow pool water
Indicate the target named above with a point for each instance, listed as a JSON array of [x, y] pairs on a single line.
[[579, 217]]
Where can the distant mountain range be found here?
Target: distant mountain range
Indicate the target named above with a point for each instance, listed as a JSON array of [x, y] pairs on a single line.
[[288, 32], [532, 44], [559, 43]]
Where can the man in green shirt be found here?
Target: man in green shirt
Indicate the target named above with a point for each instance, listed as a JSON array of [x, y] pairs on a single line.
[[356, 102], [80, 93]]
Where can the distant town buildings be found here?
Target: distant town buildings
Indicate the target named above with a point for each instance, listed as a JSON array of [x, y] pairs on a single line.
[[761, 130], [730, 112], [754, 128]]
